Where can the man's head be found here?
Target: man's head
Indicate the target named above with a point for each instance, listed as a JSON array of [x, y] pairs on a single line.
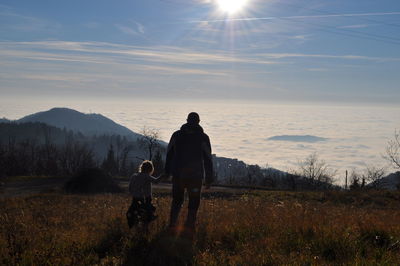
[[193, 118]]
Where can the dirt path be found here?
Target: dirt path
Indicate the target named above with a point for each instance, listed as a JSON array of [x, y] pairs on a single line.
[[29, 186], [26, 186]]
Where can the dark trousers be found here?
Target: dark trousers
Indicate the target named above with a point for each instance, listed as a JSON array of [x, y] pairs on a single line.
[[193, 187]]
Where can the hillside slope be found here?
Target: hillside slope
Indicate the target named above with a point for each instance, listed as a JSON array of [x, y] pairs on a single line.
[[391, 182], [87, 124]]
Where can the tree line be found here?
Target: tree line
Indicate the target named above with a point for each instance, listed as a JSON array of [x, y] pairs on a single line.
[[37, 149]]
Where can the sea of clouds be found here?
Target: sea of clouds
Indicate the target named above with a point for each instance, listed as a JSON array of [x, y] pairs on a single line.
[[277, 135]]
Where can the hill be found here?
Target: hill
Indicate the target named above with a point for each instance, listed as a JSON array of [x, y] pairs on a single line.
[[390, 182], [87, 124]]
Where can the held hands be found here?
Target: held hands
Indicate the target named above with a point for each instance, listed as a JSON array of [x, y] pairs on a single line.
[[164, 177]]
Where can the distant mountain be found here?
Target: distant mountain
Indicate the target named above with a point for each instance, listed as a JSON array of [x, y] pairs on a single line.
[[4, 120], [298, 138], [87, 124]]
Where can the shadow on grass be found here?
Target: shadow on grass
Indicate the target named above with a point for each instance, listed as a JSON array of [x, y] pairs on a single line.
[[163, 249], [111, 242]]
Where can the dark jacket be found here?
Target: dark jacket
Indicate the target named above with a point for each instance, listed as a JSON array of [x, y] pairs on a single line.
[[189, 154]]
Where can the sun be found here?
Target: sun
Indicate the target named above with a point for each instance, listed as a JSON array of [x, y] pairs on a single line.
[[231, 6]]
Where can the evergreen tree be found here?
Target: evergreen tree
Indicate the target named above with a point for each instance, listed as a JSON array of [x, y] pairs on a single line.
[[110, 165], [158, 163]]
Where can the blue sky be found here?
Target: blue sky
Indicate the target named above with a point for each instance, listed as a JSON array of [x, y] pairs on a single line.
[[290, 50]]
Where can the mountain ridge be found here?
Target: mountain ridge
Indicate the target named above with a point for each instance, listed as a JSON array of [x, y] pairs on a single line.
[[87, 124]]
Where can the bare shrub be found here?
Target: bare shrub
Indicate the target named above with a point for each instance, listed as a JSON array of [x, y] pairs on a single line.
[[92, 180], [374, 176], [393, 150], [316, 171], [149, 141]]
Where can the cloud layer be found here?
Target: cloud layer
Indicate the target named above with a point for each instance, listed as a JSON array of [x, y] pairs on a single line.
[[357, 135]]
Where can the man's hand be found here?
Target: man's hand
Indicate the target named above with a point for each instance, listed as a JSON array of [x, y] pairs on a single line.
[[164, 177]]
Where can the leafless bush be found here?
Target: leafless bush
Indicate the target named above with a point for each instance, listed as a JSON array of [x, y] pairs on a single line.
[[374, 175], [316, 170], [149, 141], [393, 150]]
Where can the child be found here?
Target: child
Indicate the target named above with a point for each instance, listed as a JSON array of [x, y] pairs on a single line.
[[141, 191]]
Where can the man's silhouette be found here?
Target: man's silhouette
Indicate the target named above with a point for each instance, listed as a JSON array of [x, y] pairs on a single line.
[[189, 161]]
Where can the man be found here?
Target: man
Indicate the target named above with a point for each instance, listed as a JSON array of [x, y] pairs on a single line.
[[189, 161]]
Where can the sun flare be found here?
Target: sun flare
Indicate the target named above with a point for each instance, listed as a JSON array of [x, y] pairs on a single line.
[[231, 6]]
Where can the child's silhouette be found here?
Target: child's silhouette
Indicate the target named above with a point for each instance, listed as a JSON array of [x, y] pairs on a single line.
[[141, 209]]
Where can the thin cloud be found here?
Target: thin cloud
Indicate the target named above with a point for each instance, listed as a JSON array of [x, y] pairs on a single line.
[[135, 29], [300, 37], [140, 27], [358, 26], [125, 29], [326, 56], [91, 25], [27, 57], [174, 58], [301, 17], [182, 71], [160, 54], [41, 77], [317, 69], [17, 22]]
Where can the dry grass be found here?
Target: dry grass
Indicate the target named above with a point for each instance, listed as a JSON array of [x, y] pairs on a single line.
[[262, 228]]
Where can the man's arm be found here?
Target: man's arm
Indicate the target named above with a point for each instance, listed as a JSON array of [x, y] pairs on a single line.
[[170, 155], [208, 163]]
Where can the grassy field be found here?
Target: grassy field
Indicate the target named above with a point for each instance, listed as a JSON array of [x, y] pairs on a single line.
[[248, 228]]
